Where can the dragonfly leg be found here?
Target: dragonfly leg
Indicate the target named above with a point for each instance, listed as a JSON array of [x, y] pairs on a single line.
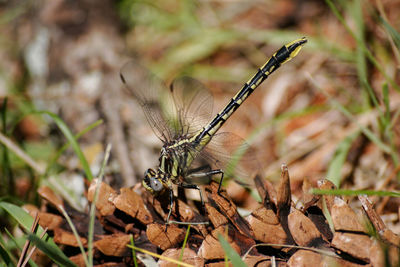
[[222, 178], [199, 170], [209, 173], [171, 204], [193, 186], [171, 196]]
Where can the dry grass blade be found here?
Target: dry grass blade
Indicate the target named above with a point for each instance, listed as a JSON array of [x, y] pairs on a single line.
[[27, 242], [161, 257], [33, 249], [25, 256]]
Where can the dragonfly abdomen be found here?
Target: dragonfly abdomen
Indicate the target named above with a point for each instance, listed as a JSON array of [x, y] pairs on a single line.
[[283, 55]]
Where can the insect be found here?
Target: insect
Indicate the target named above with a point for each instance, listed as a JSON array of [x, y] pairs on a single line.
[[180, 119]]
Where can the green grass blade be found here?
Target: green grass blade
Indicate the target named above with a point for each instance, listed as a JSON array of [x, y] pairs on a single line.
[[327, 215], [76, 234], [184, 243], [354, 8], [72, 140], [386, 121], [367, 132], [362, 45], [346, 192], [5, 255], [193, 49], [336, 164], [26, 221], [15, 11], [231, 253], [93, 205], [64, 147], [52, 251], [133, 252], [20, 215], [149, 261], [392, 31], [7, 179], [371, 136], [386, 102]]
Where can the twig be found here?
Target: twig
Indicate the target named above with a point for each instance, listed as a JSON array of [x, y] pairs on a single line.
[[115, 127]]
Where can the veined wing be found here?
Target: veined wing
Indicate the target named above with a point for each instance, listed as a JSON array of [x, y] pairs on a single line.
[[230, 153], [172, 114], [152, 95], [193, 104]]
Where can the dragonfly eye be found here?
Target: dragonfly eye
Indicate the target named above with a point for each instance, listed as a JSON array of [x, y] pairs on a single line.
[[156, 184], [151, 182]]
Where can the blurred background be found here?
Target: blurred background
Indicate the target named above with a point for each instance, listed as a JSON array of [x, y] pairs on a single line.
[[332, 112]]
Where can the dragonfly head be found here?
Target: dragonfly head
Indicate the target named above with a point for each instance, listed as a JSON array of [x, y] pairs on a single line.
[[152, 182]]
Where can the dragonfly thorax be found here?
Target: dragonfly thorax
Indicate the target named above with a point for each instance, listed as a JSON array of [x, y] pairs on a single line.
[[176, 159]]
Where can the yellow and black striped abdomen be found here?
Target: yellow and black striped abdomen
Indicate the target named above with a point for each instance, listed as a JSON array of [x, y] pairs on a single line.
[[283, 55]]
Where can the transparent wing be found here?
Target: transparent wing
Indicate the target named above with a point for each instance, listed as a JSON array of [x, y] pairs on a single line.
[[152, 95], [193, 104], [230, 153], [175, 113]]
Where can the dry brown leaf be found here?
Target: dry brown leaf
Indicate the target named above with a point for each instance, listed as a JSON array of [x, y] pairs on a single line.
[[49, 220], [216, 218], [327, 185], [375, 219], [211, 248], [114, 245], [106, 195], [78, 260], [357, 245], [266, 215], [266, 227], [309, 258], [48, 194], [303, 230], [218, 264], [189, 257], [308, 198], [186, 213], [131, 203], [227, 208], [164, 239], [305, 258], [258, 261], [67, 238], [284, 193], [344, 218], [390, 237], [377, 255]]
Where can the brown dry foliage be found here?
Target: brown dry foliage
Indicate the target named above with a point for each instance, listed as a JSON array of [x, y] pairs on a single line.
[[282, 232]]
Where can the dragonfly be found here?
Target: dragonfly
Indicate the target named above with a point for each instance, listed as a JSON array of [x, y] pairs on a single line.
[[180, 117]]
